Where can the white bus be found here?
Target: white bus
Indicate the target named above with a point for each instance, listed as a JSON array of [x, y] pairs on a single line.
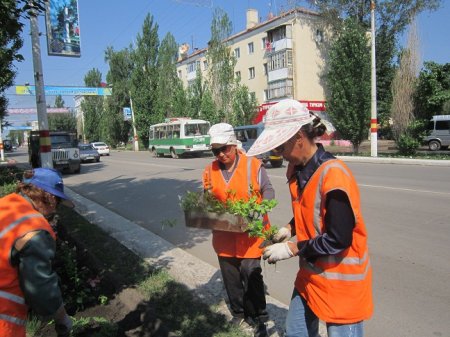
[[178, 136]]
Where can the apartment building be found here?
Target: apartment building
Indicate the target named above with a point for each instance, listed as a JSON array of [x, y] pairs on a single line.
[[282, 57]]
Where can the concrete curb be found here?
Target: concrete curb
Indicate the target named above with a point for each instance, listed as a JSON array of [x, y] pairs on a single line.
[[197, 275], [402, 161]]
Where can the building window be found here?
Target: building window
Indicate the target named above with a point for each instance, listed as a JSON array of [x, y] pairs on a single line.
[[265, 69], [279, 89], [205, 65], [252, 95], [264, 42], [251, 48], [280, 60], [237, 53], [251, 73], [179, 73], [191, 67], [238, 74]]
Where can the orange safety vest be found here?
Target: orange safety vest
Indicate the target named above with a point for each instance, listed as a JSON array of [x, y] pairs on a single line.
[[231, 244], [337, 288], [17, 218]]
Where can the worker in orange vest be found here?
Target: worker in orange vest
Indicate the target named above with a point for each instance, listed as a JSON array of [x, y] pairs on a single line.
[[334, 282], [239, 255], [27, 241]]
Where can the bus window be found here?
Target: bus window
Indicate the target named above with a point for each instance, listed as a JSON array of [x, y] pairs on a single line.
[[151, 134], [176, 131], [200, 129]]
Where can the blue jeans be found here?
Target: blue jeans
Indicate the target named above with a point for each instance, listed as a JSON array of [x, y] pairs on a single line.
[[302, 322]]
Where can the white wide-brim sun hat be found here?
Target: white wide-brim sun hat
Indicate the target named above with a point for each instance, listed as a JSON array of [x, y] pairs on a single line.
[[282, 121]]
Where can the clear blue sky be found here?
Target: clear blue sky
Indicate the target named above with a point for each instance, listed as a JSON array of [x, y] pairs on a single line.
[[116, 23]]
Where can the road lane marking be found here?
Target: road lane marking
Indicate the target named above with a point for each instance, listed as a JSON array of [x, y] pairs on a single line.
[[384, 187]]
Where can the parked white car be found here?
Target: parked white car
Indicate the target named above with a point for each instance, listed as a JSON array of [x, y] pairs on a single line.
[[101, 148]]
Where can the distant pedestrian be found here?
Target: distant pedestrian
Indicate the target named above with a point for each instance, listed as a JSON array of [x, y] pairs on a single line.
[[239, 255], [334, 281], [27, 244]]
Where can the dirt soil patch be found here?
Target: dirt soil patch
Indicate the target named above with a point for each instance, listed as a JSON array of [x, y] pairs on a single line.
[[101, 293]]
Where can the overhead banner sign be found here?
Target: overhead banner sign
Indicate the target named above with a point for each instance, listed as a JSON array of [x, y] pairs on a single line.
[[63, 28], [63, 91]]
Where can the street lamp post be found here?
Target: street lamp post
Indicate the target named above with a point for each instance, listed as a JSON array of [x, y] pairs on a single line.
[[373, 109]]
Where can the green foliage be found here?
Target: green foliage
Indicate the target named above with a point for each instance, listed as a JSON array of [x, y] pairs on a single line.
[[92, 107], [221, 65], [62, 121], [348, 102], [11, 23], [144, 79], [433, 90], [244, 106], [94, 326], [411, 139], [114, 128], [250, 209], [168, 83], [76, 291], [59, 102]]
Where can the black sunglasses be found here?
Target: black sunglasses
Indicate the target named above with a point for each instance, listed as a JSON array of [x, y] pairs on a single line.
[[222, 149], [279, 149]]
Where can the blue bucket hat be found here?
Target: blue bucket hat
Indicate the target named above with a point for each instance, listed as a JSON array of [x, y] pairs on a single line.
[[49, 180]]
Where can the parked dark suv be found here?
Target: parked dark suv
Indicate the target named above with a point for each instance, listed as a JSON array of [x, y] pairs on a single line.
[[247, 135]]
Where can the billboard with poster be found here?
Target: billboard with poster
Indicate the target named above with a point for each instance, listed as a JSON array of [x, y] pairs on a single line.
[[63, 28]]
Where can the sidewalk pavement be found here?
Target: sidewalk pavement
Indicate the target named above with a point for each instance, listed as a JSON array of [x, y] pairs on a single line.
[[401, 161]]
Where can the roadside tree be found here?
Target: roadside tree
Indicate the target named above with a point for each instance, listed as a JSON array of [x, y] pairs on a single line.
[[433, 91], [348, 101], [92, 107], [244, 105], [403, 89], [392, 18], [221, 65], [59, 102], [11, 13], [62, 121], [169, 99], [114, 128]]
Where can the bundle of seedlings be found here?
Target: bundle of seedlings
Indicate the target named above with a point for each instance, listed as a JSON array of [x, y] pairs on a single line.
[[203, 210]]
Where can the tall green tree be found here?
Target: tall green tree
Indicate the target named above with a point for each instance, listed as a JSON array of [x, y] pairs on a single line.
[[392, 17], [432, 96], [92, 107], [195, 95], [221, 65], [144, 79], [244, 105], [348, 103], [59, 102], [62, 122], [114, 128], [168, 94], [11, 13]]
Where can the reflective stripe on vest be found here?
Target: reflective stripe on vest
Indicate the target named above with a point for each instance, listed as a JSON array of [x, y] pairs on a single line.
[[12, 297], [18, 221], [13, 319], [318, 199], [337, 260]]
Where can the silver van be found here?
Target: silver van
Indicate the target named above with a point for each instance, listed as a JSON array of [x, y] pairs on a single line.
[[438, 132], [247, 135]]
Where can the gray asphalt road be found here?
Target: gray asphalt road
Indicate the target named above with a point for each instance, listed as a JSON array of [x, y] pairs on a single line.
[[405, 207]]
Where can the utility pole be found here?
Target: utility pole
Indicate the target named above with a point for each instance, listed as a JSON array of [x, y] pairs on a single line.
[[45, 146], [373, 105]]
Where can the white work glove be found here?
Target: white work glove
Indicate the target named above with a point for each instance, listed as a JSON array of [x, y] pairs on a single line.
[[283, 234], [63, 326], [277, 252]]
